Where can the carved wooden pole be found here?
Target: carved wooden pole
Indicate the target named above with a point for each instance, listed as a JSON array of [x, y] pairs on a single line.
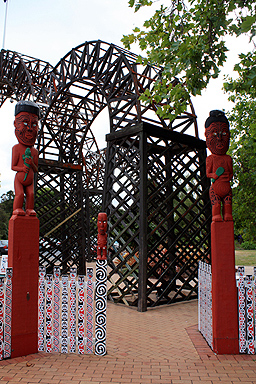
[[224, 293], [23, 254]]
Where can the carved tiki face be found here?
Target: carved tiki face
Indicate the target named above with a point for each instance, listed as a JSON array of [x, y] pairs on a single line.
[[26, 128], [217, 137], [102, 223]]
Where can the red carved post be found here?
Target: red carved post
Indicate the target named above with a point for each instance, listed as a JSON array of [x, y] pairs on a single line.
[[102, 236], [25, 156], [224, 293], [23, 254]]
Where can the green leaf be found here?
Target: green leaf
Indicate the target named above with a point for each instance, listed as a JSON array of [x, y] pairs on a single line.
[[247, 24], [179, 7]]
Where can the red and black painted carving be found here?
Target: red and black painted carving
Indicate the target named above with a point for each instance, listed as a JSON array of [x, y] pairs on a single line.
[[25, 156], [102, 236], [219, 166]]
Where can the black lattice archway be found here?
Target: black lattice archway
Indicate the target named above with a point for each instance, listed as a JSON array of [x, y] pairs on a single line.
[[72, 179]]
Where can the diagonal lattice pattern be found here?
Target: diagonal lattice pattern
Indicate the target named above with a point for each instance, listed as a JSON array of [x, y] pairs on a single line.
[[153, 184], [122, 177], [178, 221], [178, 214], [62, 219]]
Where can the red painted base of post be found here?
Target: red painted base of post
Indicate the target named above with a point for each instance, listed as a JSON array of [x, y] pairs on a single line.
[[224, 291], [23, 257]]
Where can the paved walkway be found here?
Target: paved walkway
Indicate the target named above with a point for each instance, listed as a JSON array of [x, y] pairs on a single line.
[[159, 346]]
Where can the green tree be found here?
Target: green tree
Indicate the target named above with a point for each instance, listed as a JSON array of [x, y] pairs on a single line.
[[187, 40], [3, 224], [242, 92], [6, 204]]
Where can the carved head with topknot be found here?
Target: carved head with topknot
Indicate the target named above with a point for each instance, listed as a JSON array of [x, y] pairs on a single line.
[[217, 133], [27, 115]]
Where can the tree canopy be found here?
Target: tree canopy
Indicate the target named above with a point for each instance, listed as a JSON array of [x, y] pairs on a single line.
[[242, 92], [187, 40]]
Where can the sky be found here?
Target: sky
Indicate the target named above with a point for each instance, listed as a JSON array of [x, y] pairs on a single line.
[[48, 29]]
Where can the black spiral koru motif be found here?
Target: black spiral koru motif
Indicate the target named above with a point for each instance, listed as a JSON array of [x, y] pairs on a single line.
[[101, 307], [81, 315], [8, 314]]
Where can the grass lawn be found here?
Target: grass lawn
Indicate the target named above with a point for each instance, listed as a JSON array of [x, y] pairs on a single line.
[[245, 257]]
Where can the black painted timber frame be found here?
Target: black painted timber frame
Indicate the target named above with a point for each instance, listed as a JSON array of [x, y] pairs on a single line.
[[152, 208], [72, 175]]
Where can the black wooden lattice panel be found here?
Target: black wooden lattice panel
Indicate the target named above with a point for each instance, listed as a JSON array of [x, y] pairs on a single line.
[[122, 177], [178, 217], [60, 204]]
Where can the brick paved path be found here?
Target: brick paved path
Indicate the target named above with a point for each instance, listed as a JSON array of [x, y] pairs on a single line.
[[159, 346]]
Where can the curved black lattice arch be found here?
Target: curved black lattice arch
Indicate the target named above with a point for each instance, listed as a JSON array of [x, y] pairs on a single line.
[[70, 181], [95, 75], [72, 94]]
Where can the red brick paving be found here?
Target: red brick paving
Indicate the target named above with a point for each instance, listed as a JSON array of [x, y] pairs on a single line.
[[157, 347]]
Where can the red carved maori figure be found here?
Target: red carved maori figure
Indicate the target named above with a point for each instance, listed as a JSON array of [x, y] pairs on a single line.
[[219, 166], [25, 156], [102, 236]]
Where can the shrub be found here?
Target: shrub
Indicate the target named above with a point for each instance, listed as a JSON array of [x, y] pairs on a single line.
[[248, 245]]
